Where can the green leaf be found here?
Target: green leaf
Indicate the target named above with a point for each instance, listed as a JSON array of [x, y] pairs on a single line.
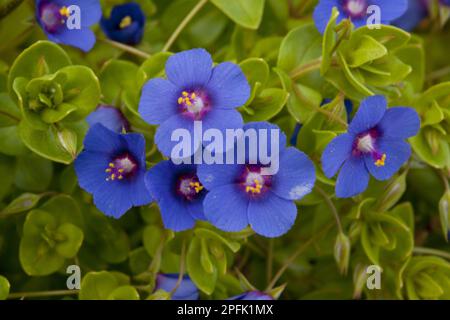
[[71, 238], [33, 173], [267, 105], [98, 285], [36, 252], [124, 293], [116, 78], [256, 70], [47, 143], [205, 281], [24, 202], [4, 288], [247, 13], [366, 50], [301, 46], [444, 214], [41, 58]]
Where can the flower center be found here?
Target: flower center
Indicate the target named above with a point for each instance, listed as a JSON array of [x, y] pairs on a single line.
[[121, 167], [355, 8], [189, 187], [194, 103], [53, 17], [254, 182], [366, 144], [126, 22]]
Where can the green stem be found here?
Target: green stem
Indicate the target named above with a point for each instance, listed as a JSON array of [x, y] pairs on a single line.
[[294, 256], [126, 48], [320, 110], [270, 260], [438, 74], [39, 294], [181, 270], [444, 179], [434, 252], [9, 7], [183, 24], [306, 68], [332, 207]]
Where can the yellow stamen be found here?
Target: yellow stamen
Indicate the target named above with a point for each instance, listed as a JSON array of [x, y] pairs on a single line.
[[185, 94], [120, 177], [111, 165], [108, 170], [381, 162], [125, 22], [180, 100], [121, 170], [197, 186], [113, 176], [64, 11]]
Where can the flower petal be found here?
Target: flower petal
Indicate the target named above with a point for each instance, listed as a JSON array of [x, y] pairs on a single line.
[[189, 69], [322, 13], [397, 153], [370, 112], [352, 179], [90, 169], [228, 86], [217, 175], [110, 117], [226, 208], [400, 122], [113, 199], [158, 101], [83, 38], [296, 175], [336, 152], [185, 291], [100, 139], [271, 216], [163, 136], [391, 10]]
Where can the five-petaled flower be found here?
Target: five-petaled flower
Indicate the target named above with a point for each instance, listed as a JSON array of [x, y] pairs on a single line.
[[194, 91], [356, 11], [375, 144], [178, 192], [185, 291], [110, 117], [243, 194], [125, 24], [66, 26], [112, 169]]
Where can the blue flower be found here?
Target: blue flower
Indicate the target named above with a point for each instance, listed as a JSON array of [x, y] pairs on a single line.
[[112, 169], [416, 12], [356, 11], [68, 21], [240, 194], [178, 192], [252, 295], [375, 144], [125, 24], [110, 117], [185, 291], [194, 91]]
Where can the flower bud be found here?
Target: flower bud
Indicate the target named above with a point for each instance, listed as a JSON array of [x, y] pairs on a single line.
[[444, 214], [68, 140], [342, 252]]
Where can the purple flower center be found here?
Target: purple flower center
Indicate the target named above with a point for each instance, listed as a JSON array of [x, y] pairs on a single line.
[[355, 8], [122, 167], [253, 182], [52, 16], [188, 186], [194, 104], [366, 143]]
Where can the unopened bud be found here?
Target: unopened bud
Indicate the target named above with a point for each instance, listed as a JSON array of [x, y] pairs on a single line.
[[342, 248]]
